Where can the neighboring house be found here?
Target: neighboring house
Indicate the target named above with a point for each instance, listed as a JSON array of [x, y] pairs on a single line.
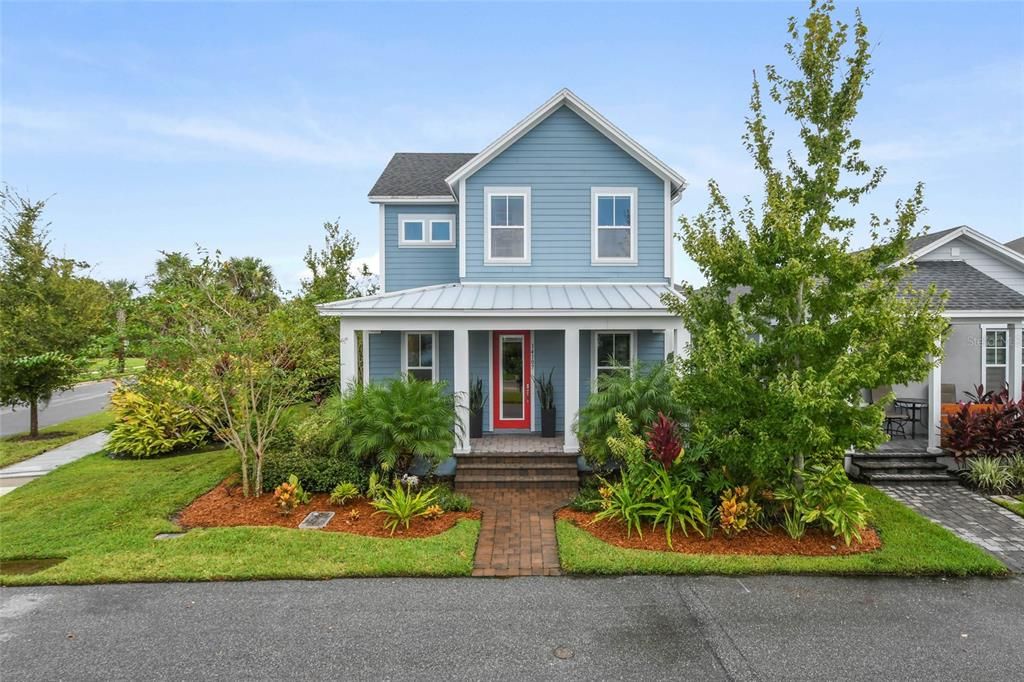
[[546, 253], [985, 309]]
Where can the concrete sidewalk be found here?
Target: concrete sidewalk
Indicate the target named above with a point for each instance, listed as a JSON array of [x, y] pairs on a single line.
[[40, 465]]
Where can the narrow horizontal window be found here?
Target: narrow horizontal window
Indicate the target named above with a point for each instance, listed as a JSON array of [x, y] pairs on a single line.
[[426, 230]]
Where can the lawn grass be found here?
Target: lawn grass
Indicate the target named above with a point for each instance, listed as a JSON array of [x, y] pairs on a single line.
[[1017, 506], [106, 368], [911, 545], [14, 449], [103, 514]]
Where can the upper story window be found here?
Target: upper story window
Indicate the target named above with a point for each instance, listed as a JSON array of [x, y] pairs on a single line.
[[613, 225], [419, 360], [994, 362], [507, 225], [426, 230]]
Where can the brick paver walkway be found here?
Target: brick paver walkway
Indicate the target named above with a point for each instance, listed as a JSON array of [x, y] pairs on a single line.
[[970, 516], [517, 531]]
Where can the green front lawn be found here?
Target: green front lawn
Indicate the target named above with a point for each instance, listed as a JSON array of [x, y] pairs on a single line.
[[911, 545], [103, 514], [1016, 506], [106, 368], [14, 449]]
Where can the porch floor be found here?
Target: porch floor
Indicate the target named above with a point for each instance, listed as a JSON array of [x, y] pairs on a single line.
[[517, 443]]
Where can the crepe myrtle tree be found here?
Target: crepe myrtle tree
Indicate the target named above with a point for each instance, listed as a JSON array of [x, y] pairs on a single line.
[[792, 323]]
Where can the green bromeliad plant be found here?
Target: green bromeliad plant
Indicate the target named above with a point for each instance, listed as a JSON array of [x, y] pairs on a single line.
[[401, 504]]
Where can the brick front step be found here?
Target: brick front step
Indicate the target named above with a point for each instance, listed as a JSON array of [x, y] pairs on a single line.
[[927, 479], [564, 487], [517, 459]]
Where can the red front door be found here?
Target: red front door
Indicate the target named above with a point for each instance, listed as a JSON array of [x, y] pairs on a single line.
[[510, 394]]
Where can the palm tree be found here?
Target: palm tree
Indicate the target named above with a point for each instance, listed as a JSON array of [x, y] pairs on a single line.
[[251, 279]]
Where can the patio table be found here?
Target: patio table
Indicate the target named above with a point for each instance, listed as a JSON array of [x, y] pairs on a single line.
[[915, 408]]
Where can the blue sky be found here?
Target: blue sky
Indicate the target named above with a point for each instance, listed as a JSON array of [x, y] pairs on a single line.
[[244, 126]]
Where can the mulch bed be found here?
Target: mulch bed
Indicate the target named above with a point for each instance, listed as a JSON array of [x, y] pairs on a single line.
[[753, 542], [226, 506]]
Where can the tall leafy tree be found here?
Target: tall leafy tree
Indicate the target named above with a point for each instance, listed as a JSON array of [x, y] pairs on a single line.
[[331, 276], [793, 324], [50, 309]]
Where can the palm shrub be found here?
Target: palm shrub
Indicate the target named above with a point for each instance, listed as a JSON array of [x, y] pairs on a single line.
[[151, 418], [392, 422], [639, 397]]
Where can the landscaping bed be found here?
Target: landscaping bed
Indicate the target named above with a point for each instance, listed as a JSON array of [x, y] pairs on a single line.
[[910, 545], [758, 542], [225, 506]]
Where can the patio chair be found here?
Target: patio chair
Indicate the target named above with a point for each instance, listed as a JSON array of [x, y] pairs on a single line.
[[895, 420], [949, 393]]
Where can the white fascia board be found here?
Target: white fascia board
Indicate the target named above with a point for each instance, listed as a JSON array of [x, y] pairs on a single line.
[[496, 313], [431, 199], [587, 113], [999, 250], [983, 314]]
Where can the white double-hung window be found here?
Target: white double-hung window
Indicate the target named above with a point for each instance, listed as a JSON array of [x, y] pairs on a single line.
[[613, 225], [995, 358], [507, 225], [612, 352], [419, 360], [426, 230]]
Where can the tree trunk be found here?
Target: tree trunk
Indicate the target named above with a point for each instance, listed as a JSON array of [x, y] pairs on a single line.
[[798, 472], [33, 419], [120, 340]]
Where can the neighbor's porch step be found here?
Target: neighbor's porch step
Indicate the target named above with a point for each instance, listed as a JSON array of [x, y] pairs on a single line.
[[894, 454], [939, 479], [875, 465]]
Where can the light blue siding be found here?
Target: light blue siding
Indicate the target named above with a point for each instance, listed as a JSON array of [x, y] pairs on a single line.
[[650, 348], [561, 159], [548, 355], [386, 356], [446, 358], [418, 266], [479, 368]]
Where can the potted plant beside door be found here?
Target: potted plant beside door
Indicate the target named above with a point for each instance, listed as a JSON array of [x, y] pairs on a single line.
[[546, 394], [477, 400]]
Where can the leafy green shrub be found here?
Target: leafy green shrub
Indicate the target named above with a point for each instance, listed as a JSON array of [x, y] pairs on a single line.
[[401, 505], [308, 446], [831, 500], [1016, 467], [625, 501], [343, 493], [639, 396], [672, 504], [587, 499], [989, 473], [453, 501], [390, 423], [374, 486], [150, 418]]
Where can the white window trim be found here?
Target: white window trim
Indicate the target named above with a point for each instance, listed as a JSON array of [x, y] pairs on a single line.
[[596, 192], [985, 329], [426, 219], [593, 352], [524, 192], [405, 354]]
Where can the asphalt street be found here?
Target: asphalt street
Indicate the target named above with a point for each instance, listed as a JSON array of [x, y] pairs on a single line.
[[647, 628], [80, 401]]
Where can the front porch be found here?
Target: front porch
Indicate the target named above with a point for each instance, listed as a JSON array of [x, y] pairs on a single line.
[[499, 443]]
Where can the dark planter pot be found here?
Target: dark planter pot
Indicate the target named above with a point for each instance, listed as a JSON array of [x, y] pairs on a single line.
[[547, 423], [476, 424]]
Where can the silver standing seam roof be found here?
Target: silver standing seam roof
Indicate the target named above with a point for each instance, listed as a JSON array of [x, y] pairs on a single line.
[[481, 298]]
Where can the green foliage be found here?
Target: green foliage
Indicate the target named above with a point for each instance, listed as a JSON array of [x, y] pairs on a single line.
[[626, 501], [830, 500], [33, 379], [628, 448], [401, 505], [477, 398], [1016, 467], [990, 473], [546, 390], [587, 499], [331, 274], [151, 418], [672, 503], [640, 397], [453, 501], [793, 323], [390, 423], [375, 487], [343, 493], [320, 471]]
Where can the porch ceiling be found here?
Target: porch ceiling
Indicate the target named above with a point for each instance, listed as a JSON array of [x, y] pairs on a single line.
[[495, 298]]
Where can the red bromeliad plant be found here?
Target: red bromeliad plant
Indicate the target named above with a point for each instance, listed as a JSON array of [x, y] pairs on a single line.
[[663, 441]]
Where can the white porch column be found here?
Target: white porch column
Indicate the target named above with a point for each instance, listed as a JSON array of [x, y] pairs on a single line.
[[934, 406], [572, 387], [1016, 345], [682, 342], [349, 366], [461, 335], [366, 358], [670, 341]]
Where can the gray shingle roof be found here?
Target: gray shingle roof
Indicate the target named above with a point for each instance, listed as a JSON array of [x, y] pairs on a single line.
[[969, 288], [918, 243], [413, 174], [1017, 245], [480, 297]]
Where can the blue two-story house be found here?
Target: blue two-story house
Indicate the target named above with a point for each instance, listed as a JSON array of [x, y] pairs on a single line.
[[547, 253]]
